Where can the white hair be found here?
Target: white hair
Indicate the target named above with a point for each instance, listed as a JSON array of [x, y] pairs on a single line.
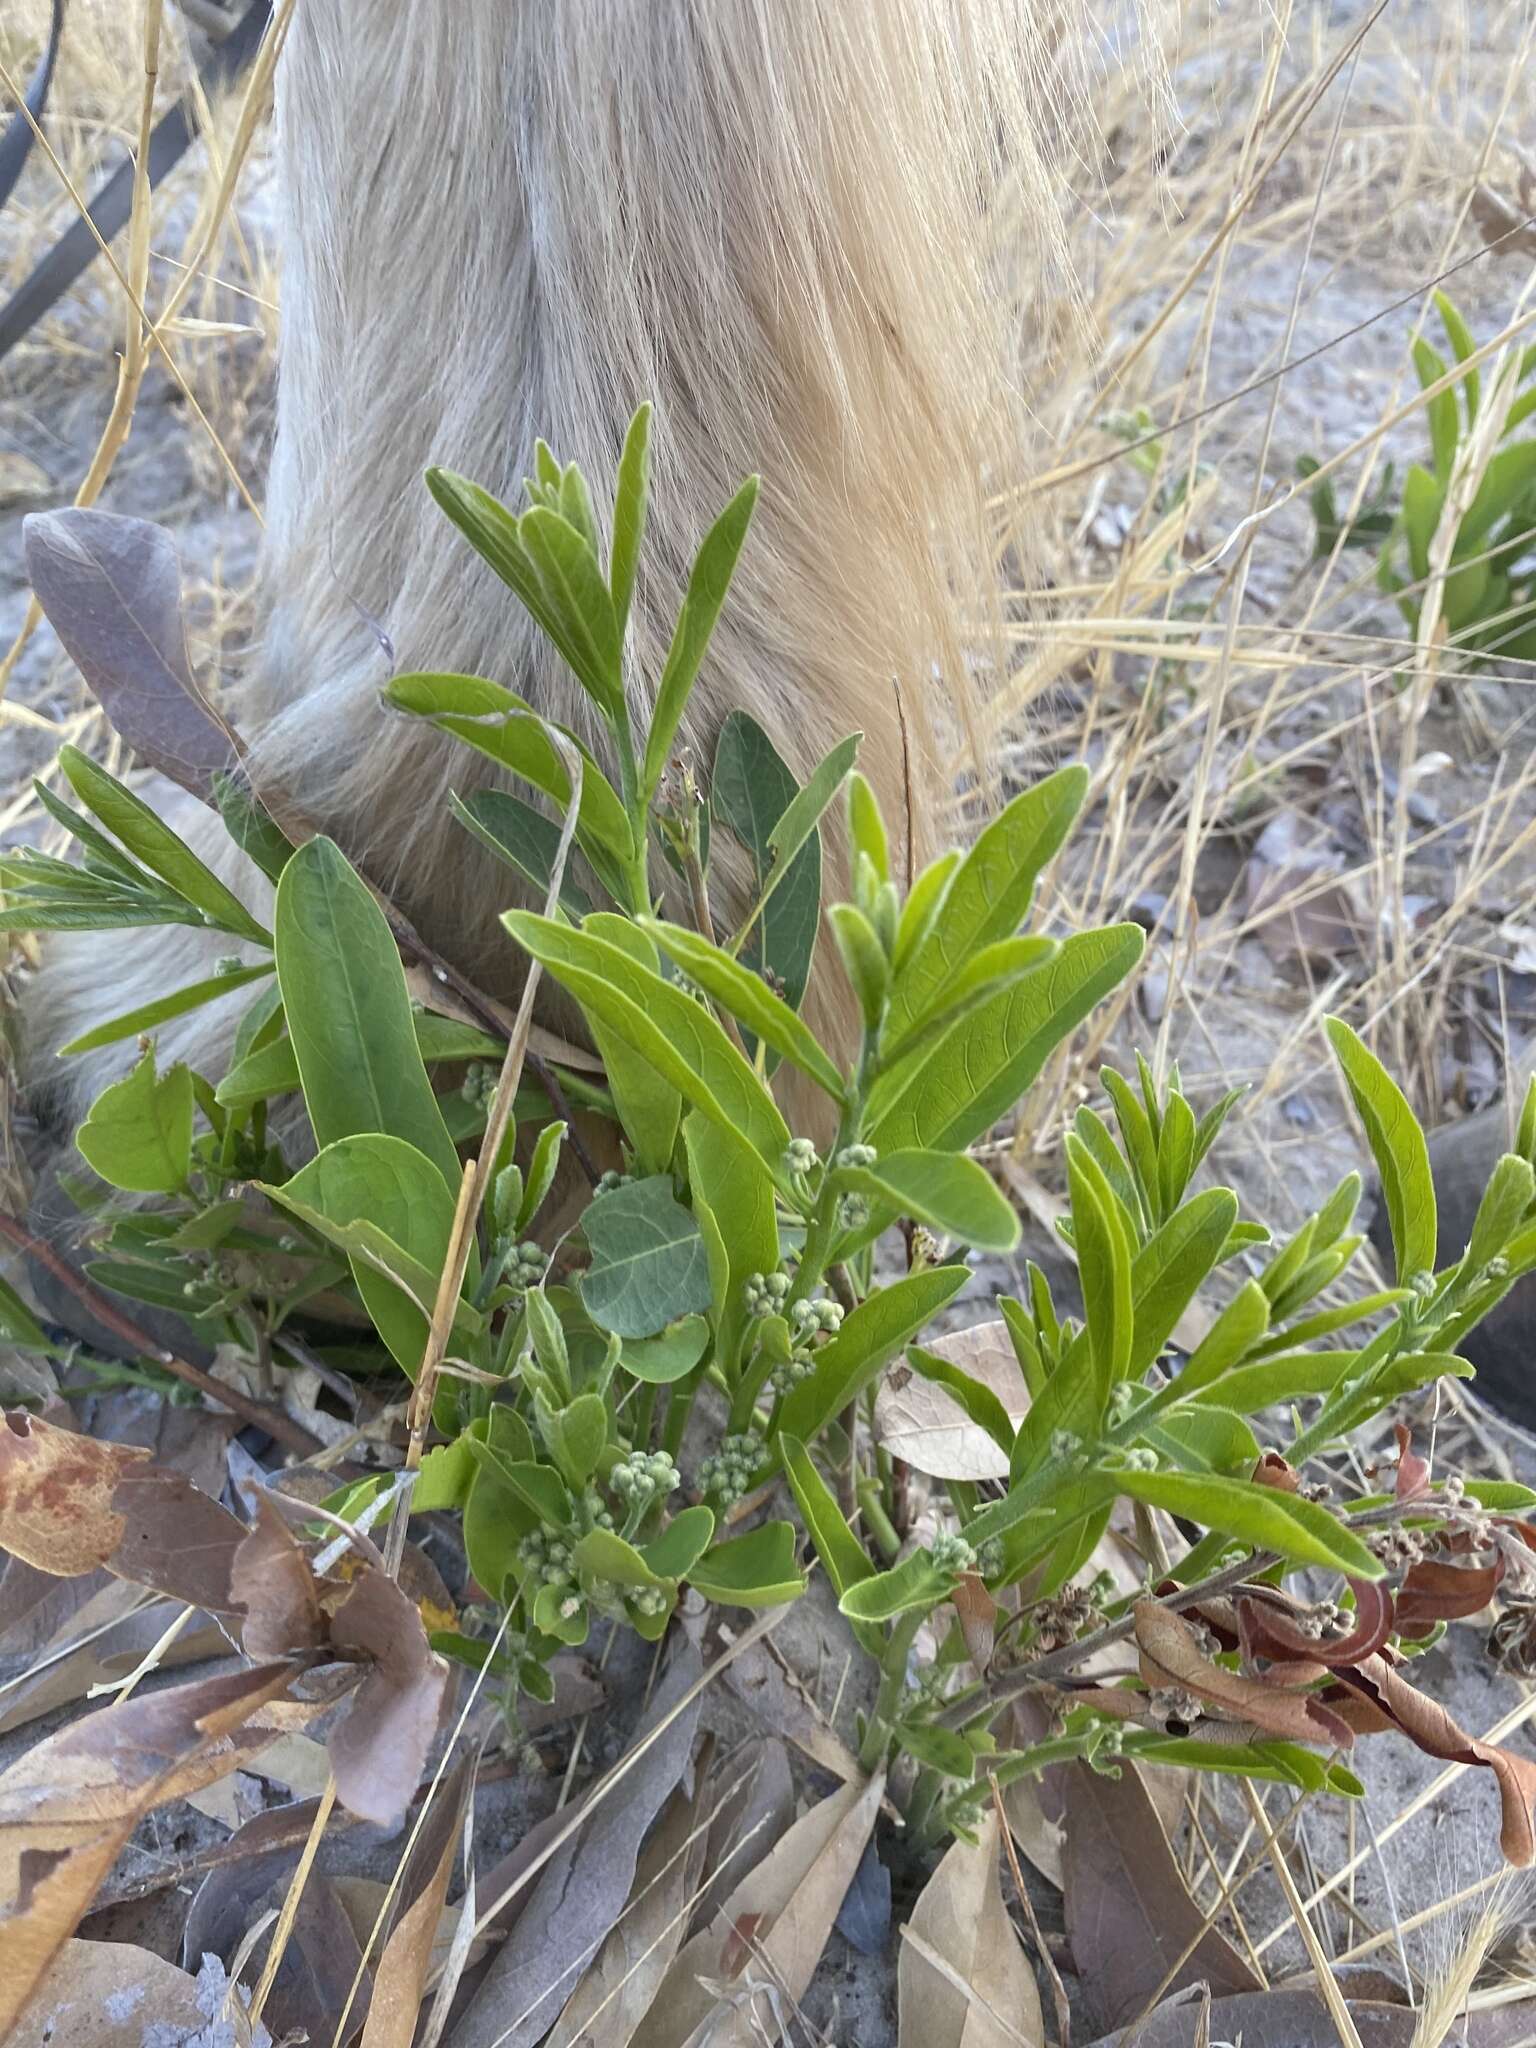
[[503, 221]]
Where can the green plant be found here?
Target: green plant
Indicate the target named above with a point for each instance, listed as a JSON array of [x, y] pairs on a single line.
[[612, 1398], [1487, 600]]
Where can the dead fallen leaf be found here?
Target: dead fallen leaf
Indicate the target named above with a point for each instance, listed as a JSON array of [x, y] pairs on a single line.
[[1502, 226], [1298, 2018], [70, 1803], [770, 1933], [1297, 895], [751, 1795], [760, 1681], [71, 1504], [614, 1995], [320, 1961], [924, 1425], [378, 1750], [961, 1920], [578, 1894], [56, 1490], [109, 1994], [273, 1587], [403, 1954], [103, 1643], [1129, 1913]]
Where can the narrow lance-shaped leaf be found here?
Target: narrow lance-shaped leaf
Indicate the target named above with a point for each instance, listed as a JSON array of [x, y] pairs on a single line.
[[630, 503], [1398, 1146], [710, 579]]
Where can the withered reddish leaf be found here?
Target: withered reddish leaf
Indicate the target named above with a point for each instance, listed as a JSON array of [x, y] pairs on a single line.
[[1270, 1631], [1412, 1470], [1171, 1655], [274, 1588], [377, 1751], [1273, 1470], [1129, 1913], [56, 1494], [70, 1803], [977, 1611], [1435, 1591], [1427, 1724]]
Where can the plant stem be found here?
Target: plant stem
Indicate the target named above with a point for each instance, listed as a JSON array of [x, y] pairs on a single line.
[[893, 1683], [877, 1522]]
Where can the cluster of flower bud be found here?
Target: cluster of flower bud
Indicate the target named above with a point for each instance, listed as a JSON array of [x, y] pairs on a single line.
[[765, 1293], [644, 1477], [800, 1156], [951, 1553], [857, 1155], [726, 1475], [549, 1556], [479, 1084], [608, 1182]]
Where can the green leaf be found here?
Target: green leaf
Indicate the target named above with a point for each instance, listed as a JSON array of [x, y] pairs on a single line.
[[1423, 501], [507, 730], [977, 1071], [259, 837], [631, 499], [733, 1199], [1459, 335], [541, 1173], [1506, 1199], [755, 1570], [1104, 1266], [878, 1328], [667, 1357], [145, 834], [577, 596], [521, 836], [750, 789], [577, 1435], [18, 1325], [649, 1106], [836, 1545], [1205, 1439], [447, 1473], [924, 901], [863, 959], [989, 896], [1444, 418], [945, 1190], [803, 813], [989, 973], [1242, 1324], [349, 1014], [539, 1487], [749, 999], [866, 827], [683, 1042], [1172, 1266], [980, 1404], [1261, 1516], [708, 582], [915, 1583], [383, 1182], [1398, 1147], [138, 1133], [148, 1015], [649, 1265], [674, 1553], [939, 1748]]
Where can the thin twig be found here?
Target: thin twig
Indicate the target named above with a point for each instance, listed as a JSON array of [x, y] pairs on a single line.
[[262, 1414]]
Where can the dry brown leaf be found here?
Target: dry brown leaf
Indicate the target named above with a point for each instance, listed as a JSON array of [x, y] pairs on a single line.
[[770, 1932], [751, 1795], [56, 1490], [71, 1504], [579, 1892], [109, 1994], [961, 1919], [1171, 1656], [402, 1959], [1502, 226], [1129, 1913], [321, 1956], [614, 1995], [1298, 2018], [378, 1750], [68, 1806], [101, 1644], [272, 1585], [761, 1683], [925, 1426], [1427, 1724]]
